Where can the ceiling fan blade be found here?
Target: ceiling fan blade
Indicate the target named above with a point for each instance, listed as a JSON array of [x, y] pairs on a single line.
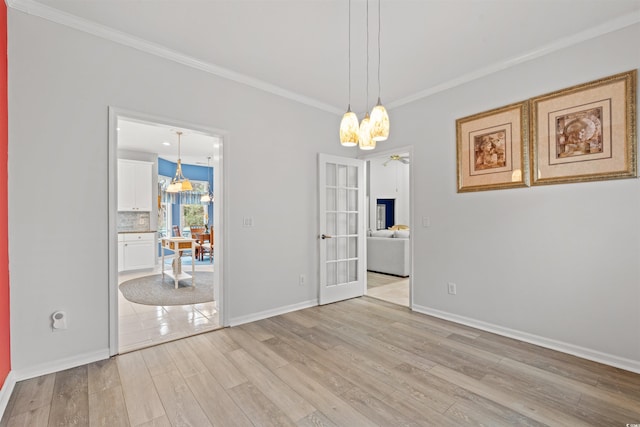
[[404, 160]]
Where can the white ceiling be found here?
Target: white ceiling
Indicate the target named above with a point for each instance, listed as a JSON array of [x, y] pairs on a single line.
[[195, 147], [299, 48]]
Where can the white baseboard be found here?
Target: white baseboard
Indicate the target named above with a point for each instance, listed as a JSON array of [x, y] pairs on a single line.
[[583, 352], [270, 313], [5, 392], [61, 364]]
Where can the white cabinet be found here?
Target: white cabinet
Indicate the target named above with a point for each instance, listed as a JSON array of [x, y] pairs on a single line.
[[138, 251], [120, 252], [134, 185]]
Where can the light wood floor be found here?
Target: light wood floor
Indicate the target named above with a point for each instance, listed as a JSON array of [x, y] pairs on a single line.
[[354, 363], [388, 288]]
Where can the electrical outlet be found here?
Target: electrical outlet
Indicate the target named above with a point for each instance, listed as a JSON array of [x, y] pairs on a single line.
[[451, 288], [302, 280]]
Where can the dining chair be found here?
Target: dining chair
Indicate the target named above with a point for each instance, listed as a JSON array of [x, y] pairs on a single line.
[[207, 245], [196, 233]]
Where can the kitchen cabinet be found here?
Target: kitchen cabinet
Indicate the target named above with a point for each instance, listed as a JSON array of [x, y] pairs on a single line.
[[120, 252], [137, 251], [134, 185]]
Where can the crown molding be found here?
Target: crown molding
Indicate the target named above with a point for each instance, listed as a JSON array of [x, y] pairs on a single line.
[[605, 28], [34, 8]]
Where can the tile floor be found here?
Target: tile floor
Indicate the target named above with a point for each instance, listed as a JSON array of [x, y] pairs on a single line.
[[142, 326], [388, 288]]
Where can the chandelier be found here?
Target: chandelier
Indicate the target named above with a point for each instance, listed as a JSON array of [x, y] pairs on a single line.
[[374, 127], [179, 183], [208, 197]]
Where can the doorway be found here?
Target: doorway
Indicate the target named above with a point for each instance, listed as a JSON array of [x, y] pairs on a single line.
[[389, 240], [145, 155]]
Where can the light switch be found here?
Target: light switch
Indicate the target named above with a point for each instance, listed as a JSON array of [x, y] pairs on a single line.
[[247, 221], [426, 221]]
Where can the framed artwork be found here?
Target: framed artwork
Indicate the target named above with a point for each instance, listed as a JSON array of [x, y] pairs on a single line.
[[492, 150], [585, 132]]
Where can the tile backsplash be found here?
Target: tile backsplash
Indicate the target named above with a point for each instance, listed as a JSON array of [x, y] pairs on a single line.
[[134, 221]]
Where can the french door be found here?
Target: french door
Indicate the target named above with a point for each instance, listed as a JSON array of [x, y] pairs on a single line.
[[342, 227]]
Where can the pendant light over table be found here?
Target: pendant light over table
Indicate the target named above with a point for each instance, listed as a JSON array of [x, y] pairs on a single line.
[[372, 128], [179, 183]]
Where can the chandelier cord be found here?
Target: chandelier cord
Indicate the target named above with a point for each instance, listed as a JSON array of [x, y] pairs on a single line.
[[367, 106], [379, 90], [349, 105]]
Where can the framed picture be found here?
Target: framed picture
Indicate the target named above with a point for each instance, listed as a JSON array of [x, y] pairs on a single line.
[[585, 132], [492, 149]]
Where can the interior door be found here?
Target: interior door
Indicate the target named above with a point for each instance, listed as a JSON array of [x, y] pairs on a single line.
[[342, 227]]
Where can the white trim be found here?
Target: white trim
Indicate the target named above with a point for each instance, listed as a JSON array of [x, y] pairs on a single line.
[[5, 392], [273, 312], [220, 210], [34, 8], [61, 364], [383, 153], [583, 352], [599, 30]]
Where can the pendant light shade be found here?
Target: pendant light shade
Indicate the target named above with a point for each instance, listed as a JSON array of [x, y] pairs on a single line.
[[372, 128], [379, 123], [379, 116], [208, 198], [349, 129], [366, 143], [179, 183]]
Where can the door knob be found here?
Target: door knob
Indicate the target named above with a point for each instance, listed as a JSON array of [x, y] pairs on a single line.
[[324, 236]]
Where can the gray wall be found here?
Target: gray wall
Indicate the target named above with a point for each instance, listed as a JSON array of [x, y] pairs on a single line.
[[62, 82], [557, 263]]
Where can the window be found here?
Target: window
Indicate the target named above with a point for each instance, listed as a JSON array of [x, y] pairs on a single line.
[[192, 212], [192, 215], [164, 209]]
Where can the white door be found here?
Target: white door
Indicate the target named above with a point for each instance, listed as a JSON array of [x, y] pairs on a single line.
[[341, 188]]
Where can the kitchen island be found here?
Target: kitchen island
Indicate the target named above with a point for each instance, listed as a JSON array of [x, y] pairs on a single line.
[[178, 245]]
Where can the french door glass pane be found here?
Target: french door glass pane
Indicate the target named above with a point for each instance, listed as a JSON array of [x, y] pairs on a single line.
[[353, 223], [331, 174], [353, 270], [342, 224], [342, 176], [331, 274], [342, 272], [332, 252], [353, 247], [331, 199], [352, 204], [353, 177], [342, 247], [342, 199], [331, 224]]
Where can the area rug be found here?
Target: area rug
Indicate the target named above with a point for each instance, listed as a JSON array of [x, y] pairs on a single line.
[[152, 290]]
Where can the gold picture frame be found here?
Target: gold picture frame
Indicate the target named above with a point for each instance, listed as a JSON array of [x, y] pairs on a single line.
[[492, 149], [585, 132]]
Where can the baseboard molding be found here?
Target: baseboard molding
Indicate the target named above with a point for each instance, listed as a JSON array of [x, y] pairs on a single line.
[[235, 321], [585, 353], [61, 364], [5, 392]]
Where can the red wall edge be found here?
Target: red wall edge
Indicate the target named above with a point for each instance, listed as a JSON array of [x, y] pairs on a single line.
[[5, 350]]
